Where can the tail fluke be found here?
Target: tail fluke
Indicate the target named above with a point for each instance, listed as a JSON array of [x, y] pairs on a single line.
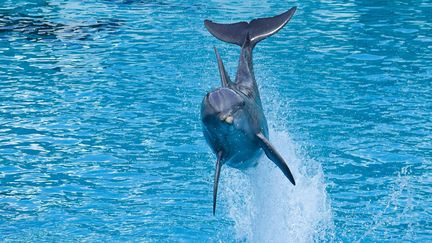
[[231, 33], [256, 30]]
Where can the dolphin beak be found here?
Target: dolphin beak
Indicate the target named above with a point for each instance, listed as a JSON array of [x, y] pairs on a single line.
[[227, 118]]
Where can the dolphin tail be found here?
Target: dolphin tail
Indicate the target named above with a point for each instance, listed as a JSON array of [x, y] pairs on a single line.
[[274, 156], [256, 30], [216, 180]]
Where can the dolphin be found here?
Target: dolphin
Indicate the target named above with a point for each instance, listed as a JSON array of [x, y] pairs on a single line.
[[234, 124]]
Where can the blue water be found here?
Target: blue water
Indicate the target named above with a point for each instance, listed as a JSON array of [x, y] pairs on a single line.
[[100, 135]]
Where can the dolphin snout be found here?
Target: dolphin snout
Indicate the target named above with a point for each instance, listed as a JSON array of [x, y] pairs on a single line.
[[221, 105], [228, 118]]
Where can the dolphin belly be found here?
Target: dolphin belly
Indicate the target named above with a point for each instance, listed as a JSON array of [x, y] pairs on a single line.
[[237, 147], [242, 150]]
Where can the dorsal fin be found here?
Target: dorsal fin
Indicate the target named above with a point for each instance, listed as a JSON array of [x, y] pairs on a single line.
[[258, 29], [225, 79]]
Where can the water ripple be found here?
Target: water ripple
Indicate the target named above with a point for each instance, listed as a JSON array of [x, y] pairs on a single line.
[[100, 135]]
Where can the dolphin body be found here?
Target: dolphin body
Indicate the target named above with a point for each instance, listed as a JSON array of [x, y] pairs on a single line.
[[234, 124]]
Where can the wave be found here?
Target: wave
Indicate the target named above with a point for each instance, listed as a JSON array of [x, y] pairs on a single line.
[[265, 207]]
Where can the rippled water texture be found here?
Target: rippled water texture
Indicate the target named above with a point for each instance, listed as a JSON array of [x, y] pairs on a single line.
[[100, 136]]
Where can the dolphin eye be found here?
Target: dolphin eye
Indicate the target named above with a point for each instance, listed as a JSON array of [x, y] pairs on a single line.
[[240, 103], [238, 107]]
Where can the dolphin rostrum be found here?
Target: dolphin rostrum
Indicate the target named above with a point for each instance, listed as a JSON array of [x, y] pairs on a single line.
[[234, 124]]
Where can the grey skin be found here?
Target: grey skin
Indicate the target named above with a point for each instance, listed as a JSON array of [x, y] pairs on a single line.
[[234, 124]]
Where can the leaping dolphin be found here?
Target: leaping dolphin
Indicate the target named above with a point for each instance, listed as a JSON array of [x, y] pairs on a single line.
[[234, 124]]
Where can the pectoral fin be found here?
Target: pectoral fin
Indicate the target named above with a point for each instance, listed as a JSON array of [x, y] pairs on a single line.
[[274, 156], [216, 180]]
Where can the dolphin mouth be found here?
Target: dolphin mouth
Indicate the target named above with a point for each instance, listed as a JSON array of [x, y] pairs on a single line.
[[222, 105], [228, 118]]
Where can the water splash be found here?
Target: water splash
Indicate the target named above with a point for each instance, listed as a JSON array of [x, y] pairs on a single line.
[[265, 207]]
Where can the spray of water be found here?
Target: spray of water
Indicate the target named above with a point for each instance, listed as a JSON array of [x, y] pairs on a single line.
[[265, 207]]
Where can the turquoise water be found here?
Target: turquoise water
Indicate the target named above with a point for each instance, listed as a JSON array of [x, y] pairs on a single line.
[[100, 136]]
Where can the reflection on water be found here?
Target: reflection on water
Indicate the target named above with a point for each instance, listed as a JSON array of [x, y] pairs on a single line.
[[35, 22]]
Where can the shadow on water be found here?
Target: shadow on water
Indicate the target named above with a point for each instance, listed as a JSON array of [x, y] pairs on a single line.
[[31, 21]]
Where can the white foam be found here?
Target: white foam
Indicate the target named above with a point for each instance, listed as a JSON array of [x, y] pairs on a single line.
[[265, 207]]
